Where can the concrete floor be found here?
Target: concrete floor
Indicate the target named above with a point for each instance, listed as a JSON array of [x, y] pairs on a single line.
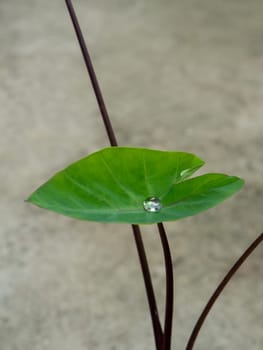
[[184, 75]]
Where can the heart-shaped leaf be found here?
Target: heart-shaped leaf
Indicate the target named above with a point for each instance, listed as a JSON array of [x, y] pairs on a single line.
[[134, 185]]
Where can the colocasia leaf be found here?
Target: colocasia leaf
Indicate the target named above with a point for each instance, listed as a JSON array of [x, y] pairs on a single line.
[[134, 185]]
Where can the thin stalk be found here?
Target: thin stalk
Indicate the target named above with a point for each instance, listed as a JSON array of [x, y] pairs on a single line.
[[113, 141], [92, 74], [220, 289], [158, 333], [166, 343]]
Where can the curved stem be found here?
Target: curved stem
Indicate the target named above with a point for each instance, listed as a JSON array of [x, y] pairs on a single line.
[[220, 289], [158, 333], [166, 343], [92, 74]]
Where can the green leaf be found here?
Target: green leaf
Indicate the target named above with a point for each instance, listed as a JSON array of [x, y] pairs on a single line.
[[111, 185]]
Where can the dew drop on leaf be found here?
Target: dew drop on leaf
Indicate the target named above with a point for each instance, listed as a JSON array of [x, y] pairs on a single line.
[[152, 204]]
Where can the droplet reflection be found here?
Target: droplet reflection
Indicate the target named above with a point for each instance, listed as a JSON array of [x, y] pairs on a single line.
[[152, 204]]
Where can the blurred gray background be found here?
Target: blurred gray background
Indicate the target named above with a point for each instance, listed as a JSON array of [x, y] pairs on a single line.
[[177, 75]]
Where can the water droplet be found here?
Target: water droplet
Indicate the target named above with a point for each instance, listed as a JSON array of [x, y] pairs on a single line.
[[152, 204]]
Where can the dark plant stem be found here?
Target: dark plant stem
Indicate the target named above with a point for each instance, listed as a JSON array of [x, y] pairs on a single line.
[[158, 333], [166, 342], [92, 74], [220, 289]]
